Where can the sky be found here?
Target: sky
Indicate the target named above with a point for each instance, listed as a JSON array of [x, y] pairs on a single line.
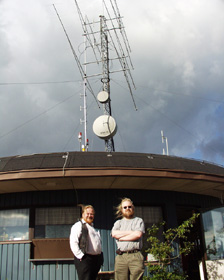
[[178, 59]]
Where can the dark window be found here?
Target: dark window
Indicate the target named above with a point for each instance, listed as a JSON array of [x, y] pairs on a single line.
[[55, 222], [150, 215]]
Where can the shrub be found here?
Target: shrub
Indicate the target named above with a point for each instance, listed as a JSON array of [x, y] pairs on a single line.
[[166, 252]]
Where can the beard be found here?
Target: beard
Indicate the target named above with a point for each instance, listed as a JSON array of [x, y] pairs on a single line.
[[128, 214], [89, 220]]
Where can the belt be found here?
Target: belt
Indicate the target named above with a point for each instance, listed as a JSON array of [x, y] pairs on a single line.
[[119, 252]]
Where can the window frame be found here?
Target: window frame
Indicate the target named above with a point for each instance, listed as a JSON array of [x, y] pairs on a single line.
[[57, 248], [17, 239], [147, 224]]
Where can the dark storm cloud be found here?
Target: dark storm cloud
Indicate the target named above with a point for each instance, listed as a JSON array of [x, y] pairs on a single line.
[[178, 56]]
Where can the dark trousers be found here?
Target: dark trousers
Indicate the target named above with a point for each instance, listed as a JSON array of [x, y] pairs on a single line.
[[89, 266]]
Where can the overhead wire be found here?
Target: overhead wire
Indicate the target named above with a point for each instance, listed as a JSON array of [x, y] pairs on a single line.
[[36, 117], [119, 84], [170, 92], [37, 83], [167, 117], [172, 121], [81, 70], [67, 143]]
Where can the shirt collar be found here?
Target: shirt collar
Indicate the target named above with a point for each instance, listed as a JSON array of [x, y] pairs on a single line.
[[84, 222]]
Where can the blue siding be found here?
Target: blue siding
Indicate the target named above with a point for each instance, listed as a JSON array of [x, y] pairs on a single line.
[[10, 257], [108, 245], [52, 272], [14, 264], [14, 261], [27, 265], [4, 263], [33, 272]]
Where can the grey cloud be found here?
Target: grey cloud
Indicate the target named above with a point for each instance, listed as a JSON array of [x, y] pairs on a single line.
[[178, 57]]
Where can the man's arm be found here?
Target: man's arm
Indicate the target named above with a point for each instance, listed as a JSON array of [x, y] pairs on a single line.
[[126, 235], [74, 240]]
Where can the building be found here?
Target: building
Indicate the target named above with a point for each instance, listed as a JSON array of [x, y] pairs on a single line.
[[40, 196]]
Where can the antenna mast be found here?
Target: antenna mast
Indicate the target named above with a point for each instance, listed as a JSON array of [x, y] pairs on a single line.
[[109, 143], [85, 146], [165, 138], [111, 31]]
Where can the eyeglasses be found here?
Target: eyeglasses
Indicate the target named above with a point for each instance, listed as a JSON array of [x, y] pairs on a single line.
[[125, 207]]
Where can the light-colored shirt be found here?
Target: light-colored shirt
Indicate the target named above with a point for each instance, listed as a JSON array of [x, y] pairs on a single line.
[[94, 240], [129, 224]]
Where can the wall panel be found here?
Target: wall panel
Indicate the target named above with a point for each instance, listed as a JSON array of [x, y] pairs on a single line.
[[14, 264]]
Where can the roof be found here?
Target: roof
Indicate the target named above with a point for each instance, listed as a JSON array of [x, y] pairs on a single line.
[[69, 170]]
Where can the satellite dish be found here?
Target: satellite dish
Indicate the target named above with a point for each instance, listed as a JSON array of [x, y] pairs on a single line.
[[105, 127], [103, 96]]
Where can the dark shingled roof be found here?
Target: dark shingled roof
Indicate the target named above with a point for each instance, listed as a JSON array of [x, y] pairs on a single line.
[[104, 159]]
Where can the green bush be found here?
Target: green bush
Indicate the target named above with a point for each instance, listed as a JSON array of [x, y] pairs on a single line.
[[165, 253]]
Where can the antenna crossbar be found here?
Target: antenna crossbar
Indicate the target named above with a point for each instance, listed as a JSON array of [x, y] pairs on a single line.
[[84, 26], [111, 34]]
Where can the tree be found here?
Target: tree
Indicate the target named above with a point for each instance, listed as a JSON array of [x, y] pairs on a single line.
[[166, 252]]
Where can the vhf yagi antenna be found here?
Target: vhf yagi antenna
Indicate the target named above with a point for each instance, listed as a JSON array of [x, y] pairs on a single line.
[[110, 32]]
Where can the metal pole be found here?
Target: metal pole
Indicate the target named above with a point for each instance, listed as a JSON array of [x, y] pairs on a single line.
[[84, 97], [167, 152], [109, 144]]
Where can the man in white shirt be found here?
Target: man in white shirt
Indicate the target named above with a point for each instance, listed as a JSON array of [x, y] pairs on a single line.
[[128, 232], [85, 243]]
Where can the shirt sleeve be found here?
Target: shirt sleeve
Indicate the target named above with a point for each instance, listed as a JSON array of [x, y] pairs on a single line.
[[74, 240], [140, 226], [116, 226]]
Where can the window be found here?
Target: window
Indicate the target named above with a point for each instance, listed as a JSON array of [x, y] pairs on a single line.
[[213, 222], [52, 230], [55, 222], [150, 216], [14, 224]]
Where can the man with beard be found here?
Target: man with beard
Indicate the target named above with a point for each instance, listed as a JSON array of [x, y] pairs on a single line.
[[85, 243], [128, 232]]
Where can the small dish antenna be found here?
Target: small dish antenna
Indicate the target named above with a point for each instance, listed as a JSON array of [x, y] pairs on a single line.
[[105, 127], [103, 96]]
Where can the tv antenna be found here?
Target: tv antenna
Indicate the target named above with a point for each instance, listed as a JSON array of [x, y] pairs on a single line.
[[111, 32], [164, 138]]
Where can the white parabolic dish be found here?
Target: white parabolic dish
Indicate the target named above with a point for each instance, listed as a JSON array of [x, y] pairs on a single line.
[[103, 96], [105, 127]]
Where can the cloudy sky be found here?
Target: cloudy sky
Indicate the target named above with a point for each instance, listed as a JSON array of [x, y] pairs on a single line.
[[178, 57]]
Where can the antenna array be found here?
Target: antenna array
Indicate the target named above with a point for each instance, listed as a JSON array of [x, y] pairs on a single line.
[[110, 33]]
